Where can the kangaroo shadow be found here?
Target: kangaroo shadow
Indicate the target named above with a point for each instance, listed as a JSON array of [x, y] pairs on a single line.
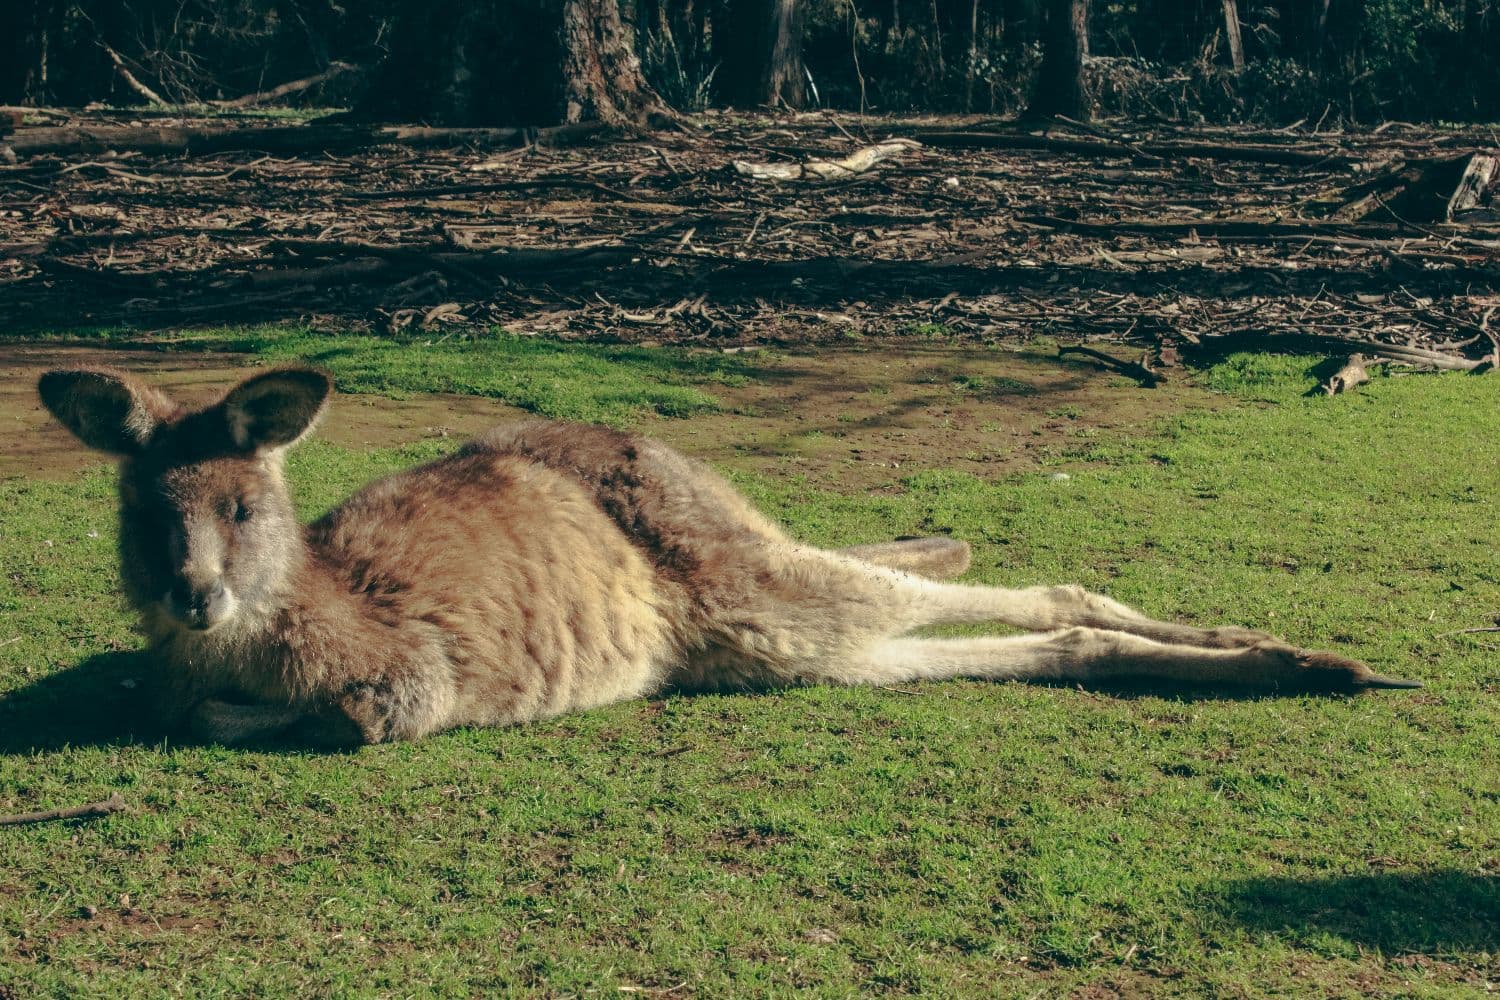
[[105, 700], [110, 699], [1442, 910]]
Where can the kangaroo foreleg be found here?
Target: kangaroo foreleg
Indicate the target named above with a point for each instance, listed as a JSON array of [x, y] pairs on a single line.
[[216, 721]]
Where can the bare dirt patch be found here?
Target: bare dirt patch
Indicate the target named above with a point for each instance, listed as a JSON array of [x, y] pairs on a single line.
[[848, 418], [863, 417]]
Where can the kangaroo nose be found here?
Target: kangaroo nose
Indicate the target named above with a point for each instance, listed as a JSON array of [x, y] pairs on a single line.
[[193, 602]]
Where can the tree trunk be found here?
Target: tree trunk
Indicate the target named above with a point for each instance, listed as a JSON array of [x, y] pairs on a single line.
[[509, 62], [1232, 33], [24, 36], [1322, 32], [1059, 88], [602, 73], [763, 65], [973, 57]]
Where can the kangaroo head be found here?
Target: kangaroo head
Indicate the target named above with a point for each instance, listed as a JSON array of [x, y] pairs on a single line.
[[207, 531]]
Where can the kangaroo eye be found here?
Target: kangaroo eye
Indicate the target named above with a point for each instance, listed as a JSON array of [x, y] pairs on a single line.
[[241, 512]]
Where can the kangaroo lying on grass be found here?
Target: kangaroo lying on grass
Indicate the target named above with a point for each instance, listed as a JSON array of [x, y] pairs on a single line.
[[546, 568]]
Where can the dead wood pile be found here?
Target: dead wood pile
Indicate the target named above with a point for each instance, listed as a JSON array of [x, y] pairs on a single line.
[[1383, 244]]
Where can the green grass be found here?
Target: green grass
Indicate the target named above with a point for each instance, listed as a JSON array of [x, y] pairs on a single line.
[[602, 384], [606, 384], [964, 840]]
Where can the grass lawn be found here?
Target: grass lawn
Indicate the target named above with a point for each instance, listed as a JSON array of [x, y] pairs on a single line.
[[957, 839]]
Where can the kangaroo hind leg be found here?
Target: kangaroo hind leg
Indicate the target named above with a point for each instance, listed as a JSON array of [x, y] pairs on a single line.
[[1045, 609], [1086, 654]]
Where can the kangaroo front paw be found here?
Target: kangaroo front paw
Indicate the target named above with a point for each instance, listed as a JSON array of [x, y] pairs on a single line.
[[1322, 671], [216, 721]]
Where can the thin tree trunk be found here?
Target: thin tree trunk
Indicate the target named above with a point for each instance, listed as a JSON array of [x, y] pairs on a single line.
[[1232, 32], [1322, 32], [1060, 89], [973, 56], [763, 62], [937, 40]]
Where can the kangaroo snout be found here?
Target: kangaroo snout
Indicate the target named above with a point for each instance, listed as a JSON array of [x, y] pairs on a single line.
[[201, 605]]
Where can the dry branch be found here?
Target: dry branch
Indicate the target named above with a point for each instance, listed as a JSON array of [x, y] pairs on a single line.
[[1477, 179], [169, 140], [1145, 376], [851, 166], [113, 804], [131, 80], [1165, 150], [1417, 190], [335, 70], [1396, 233]]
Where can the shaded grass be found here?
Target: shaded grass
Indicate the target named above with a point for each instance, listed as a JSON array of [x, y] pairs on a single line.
[[974, 840]]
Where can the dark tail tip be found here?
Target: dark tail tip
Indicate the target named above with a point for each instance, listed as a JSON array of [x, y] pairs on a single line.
[[1382, 681]]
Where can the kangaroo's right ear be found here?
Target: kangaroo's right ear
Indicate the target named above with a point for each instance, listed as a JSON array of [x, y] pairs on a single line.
[[107, 409]]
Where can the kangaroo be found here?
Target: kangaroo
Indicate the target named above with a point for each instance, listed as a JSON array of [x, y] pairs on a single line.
[[546, 568]]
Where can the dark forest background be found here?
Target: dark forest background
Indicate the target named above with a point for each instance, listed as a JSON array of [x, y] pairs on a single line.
[[1360, 61]]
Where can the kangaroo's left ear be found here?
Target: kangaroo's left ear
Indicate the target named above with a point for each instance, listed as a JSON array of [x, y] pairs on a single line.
[[275, 409]]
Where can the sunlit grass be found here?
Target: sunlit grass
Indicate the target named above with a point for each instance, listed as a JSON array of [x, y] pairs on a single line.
[[946, 839]]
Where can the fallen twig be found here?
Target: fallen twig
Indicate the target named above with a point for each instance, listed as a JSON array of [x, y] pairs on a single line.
[[171, 140], [113, 804], [856, 163], [1140, 373]]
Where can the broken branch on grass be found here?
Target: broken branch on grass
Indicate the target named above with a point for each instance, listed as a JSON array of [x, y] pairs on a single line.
[[1484, 328], [1145, 376], [113, 804], [1469, 631]]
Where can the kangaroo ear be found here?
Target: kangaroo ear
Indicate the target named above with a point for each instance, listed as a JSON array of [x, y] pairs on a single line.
[[275, 409], [105, 408]]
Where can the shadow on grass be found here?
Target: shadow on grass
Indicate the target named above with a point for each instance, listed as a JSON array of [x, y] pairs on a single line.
[[1423, 912], [103, 701], [107, 700]]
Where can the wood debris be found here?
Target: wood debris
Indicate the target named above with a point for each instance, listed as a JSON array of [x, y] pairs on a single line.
[[1189, 241], [858, 162]]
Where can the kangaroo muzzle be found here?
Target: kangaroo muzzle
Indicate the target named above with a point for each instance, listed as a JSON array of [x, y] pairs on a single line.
[[202, 606]]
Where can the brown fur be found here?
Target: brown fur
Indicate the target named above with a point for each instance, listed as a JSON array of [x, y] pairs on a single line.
[[544, 568]]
